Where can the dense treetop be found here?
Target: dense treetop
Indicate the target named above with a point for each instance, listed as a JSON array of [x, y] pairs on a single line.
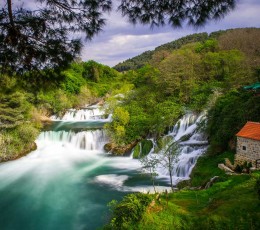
[[38, 35]]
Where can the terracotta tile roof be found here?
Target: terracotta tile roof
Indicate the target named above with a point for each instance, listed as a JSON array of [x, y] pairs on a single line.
[[250, 130]]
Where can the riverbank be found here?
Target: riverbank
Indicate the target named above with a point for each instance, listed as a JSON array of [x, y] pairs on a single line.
[[231, 203], [27, 149]]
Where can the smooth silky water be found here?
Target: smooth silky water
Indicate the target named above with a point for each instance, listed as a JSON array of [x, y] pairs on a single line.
[[68, 181]]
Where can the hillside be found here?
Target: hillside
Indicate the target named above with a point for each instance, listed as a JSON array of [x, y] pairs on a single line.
[[210, 74], [160, 52]]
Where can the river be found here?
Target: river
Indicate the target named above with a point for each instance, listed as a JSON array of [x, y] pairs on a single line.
[[67, 182]]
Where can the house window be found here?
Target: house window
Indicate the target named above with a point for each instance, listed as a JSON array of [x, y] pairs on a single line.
[[244, 148]]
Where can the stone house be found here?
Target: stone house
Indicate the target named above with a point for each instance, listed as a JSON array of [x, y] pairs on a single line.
[[248, 144]]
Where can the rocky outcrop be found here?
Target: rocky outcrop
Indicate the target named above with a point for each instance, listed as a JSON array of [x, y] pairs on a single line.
[[119, 150], [225, 168], [45, 119], [229, 164]]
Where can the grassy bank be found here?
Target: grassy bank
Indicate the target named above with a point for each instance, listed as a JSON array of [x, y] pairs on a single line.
[[231, 203]]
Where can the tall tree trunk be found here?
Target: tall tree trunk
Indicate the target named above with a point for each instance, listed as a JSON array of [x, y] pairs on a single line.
[[10, 12], [171, 179]]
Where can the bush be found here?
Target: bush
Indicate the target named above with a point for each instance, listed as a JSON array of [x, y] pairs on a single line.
[[130, 210], [14, 142], [55, 101]]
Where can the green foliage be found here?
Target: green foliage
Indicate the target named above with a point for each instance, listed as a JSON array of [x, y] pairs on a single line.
[[14, 142], [31, 40], [229, 203], [150, 112], [146, 146], [142, 149], [257, 187], [134, 63], [209, 45], [129, 210], [206, 168], [229, 115], [145, 58], [72, 82], [55, 101], [165, 115], [14, 109], [137, 151], [117, 128], [162, 142]]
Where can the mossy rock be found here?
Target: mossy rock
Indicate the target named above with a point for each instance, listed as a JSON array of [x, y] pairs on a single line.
[[142, 149], [146, 146], [186, 137], [162, 142], [136, 153]]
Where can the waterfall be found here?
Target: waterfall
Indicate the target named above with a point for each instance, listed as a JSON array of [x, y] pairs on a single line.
[[88, 140], [192, 142], [90, 113]]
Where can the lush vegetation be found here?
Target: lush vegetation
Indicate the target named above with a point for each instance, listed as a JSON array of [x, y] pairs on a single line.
[[27, 99], [161, 52], [195, 76], [210, 74], [231, 202], [229, 114]]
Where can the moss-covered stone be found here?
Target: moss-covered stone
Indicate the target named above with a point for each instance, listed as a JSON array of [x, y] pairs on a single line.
[[136, 153], [146, 146]]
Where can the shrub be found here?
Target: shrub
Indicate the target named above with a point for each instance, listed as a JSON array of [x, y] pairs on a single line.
[[130, 210]]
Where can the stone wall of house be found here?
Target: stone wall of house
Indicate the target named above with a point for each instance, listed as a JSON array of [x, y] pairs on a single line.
[[247, 150]]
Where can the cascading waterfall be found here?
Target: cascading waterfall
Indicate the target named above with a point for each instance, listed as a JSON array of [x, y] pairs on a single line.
[[192, 142], [88, 140], [90, 113]]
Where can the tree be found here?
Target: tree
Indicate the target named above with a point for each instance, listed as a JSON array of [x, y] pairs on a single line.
[[150, 164], [38, 35], [175, 13], [169, 157], [41, 37]]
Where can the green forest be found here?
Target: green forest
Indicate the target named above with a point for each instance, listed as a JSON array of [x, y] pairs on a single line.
[[146, 95]]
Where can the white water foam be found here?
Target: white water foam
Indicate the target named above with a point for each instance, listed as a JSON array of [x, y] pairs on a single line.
[[90, 113], [111, 179]]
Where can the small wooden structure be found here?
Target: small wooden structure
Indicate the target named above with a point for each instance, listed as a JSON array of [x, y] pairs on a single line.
[[248, 144]]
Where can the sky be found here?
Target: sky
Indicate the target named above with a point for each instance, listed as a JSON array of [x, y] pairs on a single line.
[[121, 40]]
